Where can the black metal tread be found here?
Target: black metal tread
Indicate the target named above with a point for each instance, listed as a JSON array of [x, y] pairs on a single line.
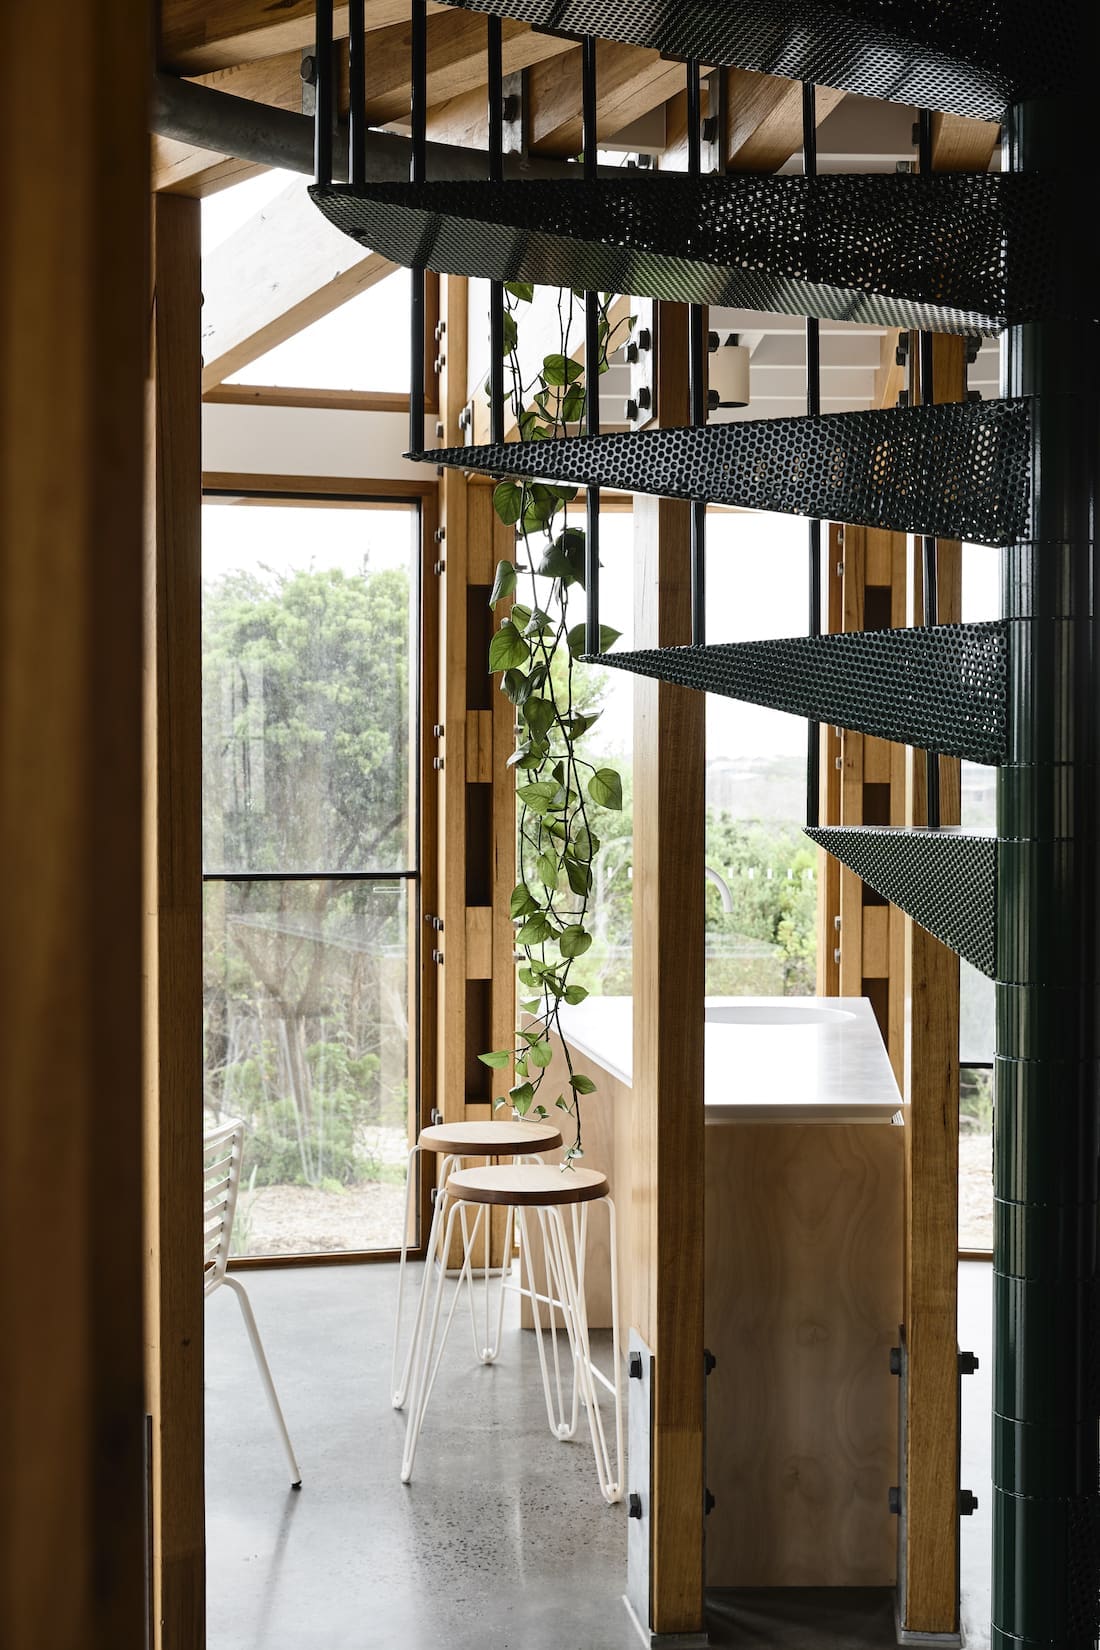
[[945, 879], [941, 688], [970, 57], [959, 470], [950, 252]]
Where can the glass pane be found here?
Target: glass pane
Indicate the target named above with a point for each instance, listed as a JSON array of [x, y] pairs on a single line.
[[762, 882], [308, 667], [363, 345], [307, 1038]]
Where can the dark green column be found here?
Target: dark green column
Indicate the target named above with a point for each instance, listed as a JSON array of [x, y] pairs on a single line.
[[1046, 1376]]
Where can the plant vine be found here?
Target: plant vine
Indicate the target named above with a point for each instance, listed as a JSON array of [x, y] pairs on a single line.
[[535, 651]]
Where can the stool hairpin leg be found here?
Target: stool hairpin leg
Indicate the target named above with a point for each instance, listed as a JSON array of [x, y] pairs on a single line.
[[425, 1378], [572, 1269], [400, 1386], [555, 1417]]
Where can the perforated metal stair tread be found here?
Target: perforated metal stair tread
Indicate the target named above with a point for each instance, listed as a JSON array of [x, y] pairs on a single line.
[[945, 879], [958, 471], [941, 688], [972, 58], [953, 252]]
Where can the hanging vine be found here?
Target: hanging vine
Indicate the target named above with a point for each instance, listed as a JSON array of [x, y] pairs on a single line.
[[535, 651]]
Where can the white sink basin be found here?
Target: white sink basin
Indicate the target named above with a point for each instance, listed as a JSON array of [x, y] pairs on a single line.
[[774, 1014]]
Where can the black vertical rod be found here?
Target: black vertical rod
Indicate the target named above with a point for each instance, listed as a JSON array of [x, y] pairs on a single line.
[[813, 408], [322, 115], [697, 376], [1046, 1161], [418, 109], [591, 369], [495, 66], [929, 549], [357, 92]]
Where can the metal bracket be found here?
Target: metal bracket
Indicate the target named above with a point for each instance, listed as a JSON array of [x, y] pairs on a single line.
[[641, 405], [516, 113]]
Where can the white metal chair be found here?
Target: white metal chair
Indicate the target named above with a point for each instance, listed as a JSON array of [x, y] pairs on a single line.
[[550, 1195], [221, 1179]]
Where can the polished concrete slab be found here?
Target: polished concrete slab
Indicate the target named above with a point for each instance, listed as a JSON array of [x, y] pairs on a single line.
[[502, 1541]]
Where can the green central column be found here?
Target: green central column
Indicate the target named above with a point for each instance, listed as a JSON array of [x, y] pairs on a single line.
[[1046, 1374]]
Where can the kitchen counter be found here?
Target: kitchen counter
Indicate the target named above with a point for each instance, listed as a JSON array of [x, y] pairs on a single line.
[[766, 1058]]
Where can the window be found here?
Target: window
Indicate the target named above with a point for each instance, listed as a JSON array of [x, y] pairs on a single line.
[[761, 885], [310, 840]]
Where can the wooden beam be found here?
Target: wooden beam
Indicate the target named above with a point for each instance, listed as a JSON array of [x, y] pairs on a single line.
[[281, 270], [668, 1212], [73, 312], [961, 145], [930, 1604], [181, 169], [631, 80], [765, 119], [198, 35], [456, 61], [173, 952]]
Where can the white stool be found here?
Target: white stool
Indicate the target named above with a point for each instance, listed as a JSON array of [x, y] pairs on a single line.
[[455, 1143], [549, 1192]]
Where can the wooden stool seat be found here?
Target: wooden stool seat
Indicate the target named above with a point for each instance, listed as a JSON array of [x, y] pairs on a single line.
[[527, 1185], [489, 1139]]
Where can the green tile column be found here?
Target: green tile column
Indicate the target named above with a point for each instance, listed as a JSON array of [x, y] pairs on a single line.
[[1046, 1377]]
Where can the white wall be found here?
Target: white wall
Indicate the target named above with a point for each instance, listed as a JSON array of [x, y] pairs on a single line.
[[307, 441]]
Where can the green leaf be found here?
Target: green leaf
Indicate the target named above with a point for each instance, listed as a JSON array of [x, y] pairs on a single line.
[[521, 1097], [540, 506], [508, 648], [606, 788], [528, 977], [511, 334], [516, 685], [523, 290], [536, 930], [498, 1102], [500, 1057], [572, 404], [576, 639], [574, 941], [539, 714], [575, 994], [580, 877], [521, 1066], [548, 869], [586, 844], [560, 369], [541, 1112], [531, 1006], [562, 1103], [542, 796], [519, 615], [580, 1084], [581, 723], [522, 902], [564, 558], [508, 501], [541, 1055], [504, 583], [537, 624]]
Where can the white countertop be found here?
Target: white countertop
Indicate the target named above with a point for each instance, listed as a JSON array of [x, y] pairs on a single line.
[[766, 1058]]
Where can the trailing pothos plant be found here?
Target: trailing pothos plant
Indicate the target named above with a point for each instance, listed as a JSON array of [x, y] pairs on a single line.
[[535, 649]]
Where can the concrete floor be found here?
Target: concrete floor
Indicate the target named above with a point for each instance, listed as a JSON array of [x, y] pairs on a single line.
[[502, 1541]]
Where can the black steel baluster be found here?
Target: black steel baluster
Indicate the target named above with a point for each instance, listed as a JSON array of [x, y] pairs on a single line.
[[813, 408], [591, 369], [697, 378], [417, 170], [928, 544], [322, 115], [357, 92], [494, 52]]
